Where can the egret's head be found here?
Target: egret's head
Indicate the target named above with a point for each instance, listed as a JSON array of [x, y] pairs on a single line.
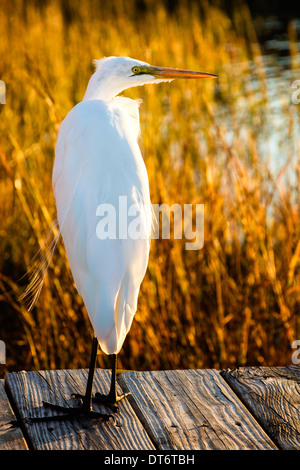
[[115, 74]]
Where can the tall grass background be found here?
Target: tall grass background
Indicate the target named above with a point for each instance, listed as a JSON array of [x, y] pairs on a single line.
[[234, 302]]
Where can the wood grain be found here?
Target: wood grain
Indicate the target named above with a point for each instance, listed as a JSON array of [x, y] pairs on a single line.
[[192, 409], [272, 394], [30, 389], [11, 438]]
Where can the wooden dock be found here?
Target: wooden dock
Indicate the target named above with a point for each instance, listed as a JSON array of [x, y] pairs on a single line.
[[248, 408]]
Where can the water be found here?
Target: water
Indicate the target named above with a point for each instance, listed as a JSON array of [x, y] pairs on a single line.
[[282, 72], [275, 106]]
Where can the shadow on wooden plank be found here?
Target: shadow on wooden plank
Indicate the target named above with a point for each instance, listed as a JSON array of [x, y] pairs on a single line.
[[28, 391]]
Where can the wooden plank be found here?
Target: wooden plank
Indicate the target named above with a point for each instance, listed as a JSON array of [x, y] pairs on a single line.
[[11, 438], [192, 409], [272, 394], [30, 389]]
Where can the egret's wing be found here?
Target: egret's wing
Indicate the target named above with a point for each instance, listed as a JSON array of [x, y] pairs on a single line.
[[97, 161]]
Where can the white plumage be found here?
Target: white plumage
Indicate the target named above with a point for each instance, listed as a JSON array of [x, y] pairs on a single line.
[[97, 160]]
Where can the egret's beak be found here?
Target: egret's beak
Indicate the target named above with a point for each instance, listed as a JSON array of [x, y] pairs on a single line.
[[165, 72]]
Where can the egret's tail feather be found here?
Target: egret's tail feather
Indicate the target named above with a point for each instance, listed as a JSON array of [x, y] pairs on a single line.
[[37, 272]]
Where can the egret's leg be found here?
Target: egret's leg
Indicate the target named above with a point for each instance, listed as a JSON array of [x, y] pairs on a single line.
[[87, 401], [86, 408], [111, 399]]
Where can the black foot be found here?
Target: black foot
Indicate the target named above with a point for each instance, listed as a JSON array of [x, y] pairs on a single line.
[[106, 400], [70, 413]]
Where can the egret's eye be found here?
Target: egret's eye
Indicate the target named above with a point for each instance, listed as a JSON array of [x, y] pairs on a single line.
[[135, 69]]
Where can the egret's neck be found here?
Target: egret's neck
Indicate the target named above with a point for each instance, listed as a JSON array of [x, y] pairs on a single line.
[[102, 88]]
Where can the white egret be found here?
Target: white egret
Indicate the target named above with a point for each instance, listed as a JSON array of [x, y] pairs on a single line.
[[97, 161]]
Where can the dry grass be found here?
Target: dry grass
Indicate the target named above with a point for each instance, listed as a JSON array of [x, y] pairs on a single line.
[[234, 302]]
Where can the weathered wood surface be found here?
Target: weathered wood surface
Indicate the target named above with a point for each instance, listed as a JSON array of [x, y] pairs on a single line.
[[10, 437], [272, 394], [30, 389], [186, 409], [192, 409]]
